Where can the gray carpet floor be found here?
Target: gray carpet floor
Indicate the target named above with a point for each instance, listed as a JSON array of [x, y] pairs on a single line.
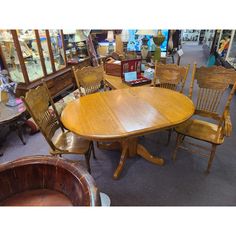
[[183, 183]]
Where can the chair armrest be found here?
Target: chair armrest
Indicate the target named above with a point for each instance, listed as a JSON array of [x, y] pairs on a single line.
[[227, 124]]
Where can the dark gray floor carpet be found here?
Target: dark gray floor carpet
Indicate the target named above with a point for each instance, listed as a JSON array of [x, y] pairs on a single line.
[[182, 183]]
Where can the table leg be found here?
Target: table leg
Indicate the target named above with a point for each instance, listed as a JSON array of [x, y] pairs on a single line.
[[130, 147], [143, 152], [17, 126], [123, 157]]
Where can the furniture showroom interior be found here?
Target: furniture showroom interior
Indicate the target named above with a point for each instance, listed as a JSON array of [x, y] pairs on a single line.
[[117, 117]]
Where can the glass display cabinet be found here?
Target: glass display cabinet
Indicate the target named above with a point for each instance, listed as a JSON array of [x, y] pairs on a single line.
[[231, 55], [30, 55], [224, 47], [223, 43]]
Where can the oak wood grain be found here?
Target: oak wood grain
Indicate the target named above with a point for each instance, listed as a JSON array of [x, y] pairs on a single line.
[[118, 114]]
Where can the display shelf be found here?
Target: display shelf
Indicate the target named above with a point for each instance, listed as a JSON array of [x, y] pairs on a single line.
[[75, 45]]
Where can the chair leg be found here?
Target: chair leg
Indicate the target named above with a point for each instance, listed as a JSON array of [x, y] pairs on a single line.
[[20, 133], [87, 159], [213, 151], [169, 136], [178, 141]]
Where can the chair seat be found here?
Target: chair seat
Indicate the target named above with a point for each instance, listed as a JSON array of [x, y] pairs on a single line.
[[201, 130], [70, 142]]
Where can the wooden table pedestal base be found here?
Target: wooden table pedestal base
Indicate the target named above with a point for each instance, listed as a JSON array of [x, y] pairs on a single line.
[[130, 147]]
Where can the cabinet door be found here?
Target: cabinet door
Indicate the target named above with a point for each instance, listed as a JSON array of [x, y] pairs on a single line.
[[224, 42], [30, 53], [231, 57], [10, 56], [45, 49], [57, 49]]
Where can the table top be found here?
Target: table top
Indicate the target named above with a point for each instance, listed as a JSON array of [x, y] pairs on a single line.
[[118, 114], [8, 113]]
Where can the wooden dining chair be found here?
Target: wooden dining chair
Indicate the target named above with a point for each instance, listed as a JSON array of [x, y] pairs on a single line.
[[61, 141], [89, 79], [212, 108], [170, 76]]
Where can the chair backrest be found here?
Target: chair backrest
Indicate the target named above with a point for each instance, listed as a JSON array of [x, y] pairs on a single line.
[[212, 85], [170, 76], [37, 102], [89, 78]]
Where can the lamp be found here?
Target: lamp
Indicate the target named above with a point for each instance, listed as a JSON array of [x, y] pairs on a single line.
[[110, 38], [125, 39], [79, 39], [69, 31], [158, 40], [144, 47]]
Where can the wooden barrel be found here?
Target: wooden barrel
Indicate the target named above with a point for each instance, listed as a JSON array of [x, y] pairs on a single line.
[[46, 177]]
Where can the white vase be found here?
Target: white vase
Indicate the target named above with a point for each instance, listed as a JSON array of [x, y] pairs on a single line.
[[170, 41]]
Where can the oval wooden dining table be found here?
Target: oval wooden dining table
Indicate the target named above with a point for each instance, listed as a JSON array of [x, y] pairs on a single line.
[[125, 114]]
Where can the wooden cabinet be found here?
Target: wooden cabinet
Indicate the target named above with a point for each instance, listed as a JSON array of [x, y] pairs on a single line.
[[33, 55]]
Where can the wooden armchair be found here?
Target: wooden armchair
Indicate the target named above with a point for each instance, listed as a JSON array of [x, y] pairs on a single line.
[[170, 76], [89, 79], [211, 104], [60, 140]]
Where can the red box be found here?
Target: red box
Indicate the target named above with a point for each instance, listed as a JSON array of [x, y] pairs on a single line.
[[131, 65], [125, 66]]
